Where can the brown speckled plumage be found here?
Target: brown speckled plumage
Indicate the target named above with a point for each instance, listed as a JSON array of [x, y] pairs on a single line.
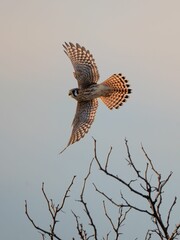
[[113, 92]]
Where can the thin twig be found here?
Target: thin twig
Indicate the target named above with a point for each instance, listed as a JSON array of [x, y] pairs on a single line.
[[37, 227], [53, 210], [108, 157], [170, 211], [85, 204]]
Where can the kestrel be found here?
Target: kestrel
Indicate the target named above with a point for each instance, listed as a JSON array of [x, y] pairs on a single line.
[[113, 92]]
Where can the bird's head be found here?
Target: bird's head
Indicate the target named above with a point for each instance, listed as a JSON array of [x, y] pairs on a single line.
[[74, 92]]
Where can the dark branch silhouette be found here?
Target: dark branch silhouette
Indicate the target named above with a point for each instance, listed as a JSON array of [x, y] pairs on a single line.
[[153, 195], [53, 210], [151, 192], [87, 211]]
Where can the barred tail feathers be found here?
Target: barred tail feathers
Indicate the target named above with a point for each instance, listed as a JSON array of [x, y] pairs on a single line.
[[120, 91]]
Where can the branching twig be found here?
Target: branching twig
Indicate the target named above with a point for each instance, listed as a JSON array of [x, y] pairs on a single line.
[[82, 233], [120, 220], [148, 188], [86, 209], [176, 232], [42, 231], [85, 204], [114, 176], [153, 194], [53, 210]]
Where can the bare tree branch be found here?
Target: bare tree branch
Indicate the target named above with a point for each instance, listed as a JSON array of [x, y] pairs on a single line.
[[53, 210], [110, 199], [120, 220], [114, 176], [148, 185], [153, 193], [85, 204], [170, 211], [176, 232], [42, 231], [82, 233], [107, 160], [148, 235]]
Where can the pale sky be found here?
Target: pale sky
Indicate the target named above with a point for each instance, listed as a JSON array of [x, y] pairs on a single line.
[[140, 39]]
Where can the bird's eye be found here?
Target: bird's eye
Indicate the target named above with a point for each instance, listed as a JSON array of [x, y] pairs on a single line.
[[75, 92]]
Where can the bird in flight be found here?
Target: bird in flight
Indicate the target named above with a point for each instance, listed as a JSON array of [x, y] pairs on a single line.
[[113, 91]]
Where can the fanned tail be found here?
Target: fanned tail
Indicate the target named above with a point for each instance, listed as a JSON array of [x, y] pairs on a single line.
[[120, 91]]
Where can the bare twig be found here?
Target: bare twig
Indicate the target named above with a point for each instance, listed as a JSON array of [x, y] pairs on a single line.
[[53, 210], [170, 211], [148, 235], [148, 185], [82, 233], [114, 176], [110, 199], [36, 226], [120, 220], [86, 209], [85, 204], [108, 157], [153, 193], [176, 232]]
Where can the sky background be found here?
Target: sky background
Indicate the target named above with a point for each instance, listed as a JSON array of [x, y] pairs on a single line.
[[139, 38]]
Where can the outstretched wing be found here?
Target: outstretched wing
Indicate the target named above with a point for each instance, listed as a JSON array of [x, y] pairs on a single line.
[[86, 71], [84, 117]]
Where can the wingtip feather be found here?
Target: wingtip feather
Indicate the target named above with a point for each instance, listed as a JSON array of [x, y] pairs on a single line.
[[64, 149]]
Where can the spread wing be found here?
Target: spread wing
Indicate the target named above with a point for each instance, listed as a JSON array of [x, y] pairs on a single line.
[[86, 71], [84, 117]]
